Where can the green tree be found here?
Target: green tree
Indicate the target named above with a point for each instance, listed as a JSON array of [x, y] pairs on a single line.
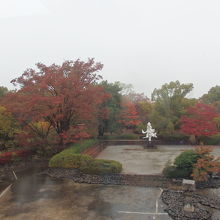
[[212, 96], [169, 105], [113, 107], [3, 91], [8, 129]]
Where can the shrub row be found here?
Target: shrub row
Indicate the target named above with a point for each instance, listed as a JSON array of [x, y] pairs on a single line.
[[212, 140], [176, 138], [175, 172], [71, 158], [9, 157], [85, 163]]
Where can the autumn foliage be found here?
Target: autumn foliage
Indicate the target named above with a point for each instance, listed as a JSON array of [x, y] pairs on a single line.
[[199, 120], [8, 129], [8, 157], [206, 164], [61, 96], [129, 116]]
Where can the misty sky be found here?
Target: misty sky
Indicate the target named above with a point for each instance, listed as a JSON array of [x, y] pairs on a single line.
[[143, 42]]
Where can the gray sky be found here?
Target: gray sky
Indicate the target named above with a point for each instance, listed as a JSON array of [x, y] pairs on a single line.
[[143, 42]]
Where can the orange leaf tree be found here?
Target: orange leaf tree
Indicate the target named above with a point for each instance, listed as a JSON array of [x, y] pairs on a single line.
[[61, 95], [205, 165], [129, 115]]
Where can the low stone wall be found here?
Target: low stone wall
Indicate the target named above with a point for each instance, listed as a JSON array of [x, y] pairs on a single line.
[[95, 150], [114, 179], [141, 142], [211, 183], [124, 179], [126, 142]]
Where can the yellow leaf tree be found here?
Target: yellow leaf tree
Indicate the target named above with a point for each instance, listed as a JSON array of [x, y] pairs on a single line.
[[8, 129]]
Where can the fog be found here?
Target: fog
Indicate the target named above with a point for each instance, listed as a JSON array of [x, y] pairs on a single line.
[[143, 42]]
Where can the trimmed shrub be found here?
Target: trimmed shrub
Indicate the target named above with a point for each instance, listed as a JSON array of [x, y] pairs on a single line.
[[212, 140], [183, 165], [70, 160], [176, 138], [186, 160], [174, 172], [99, 166]]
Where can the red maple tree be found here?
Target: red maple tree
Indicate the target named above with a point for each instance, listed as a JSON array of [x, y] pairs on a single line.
[[129, 115], [199, 120], [62, 95]]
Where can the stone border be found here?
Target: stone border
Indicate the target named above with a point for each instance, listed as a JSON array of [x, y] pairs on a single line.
[[113, 179], [124, 179]]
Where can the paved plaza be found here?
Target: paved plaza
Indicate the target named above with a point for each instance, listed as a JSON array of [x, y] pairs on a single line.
[[137, 160]]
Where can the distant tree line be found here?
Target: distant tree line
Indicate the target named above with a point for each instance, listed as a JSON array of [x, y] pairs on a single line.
[[59, 104]]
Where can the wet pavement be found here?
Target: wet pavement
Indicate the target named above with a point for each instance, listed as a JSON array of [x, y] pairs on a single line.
[[37, 197], [137, 160]]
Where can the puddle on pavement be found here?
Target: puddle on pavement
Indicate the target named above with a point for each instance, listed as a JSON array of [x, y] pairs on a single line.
[[41, 197]]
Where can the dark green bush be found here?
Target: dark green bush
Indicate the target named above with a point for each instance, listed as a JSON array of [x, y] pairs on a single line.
[[183, 165], [186, 160], [212, 140], [70, 160], [176, 138], [174, 172], [99, 166]]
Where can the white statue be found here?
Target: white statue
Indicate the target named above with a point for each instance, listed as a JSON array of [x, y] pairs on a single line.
[[150, 132]]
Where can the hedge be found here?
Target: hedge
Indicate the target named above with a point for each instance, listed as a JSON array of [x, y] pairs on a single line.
[[183, 165], [186, 159], [176, 138], [71, 158], [174, 172], [212, 140]]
